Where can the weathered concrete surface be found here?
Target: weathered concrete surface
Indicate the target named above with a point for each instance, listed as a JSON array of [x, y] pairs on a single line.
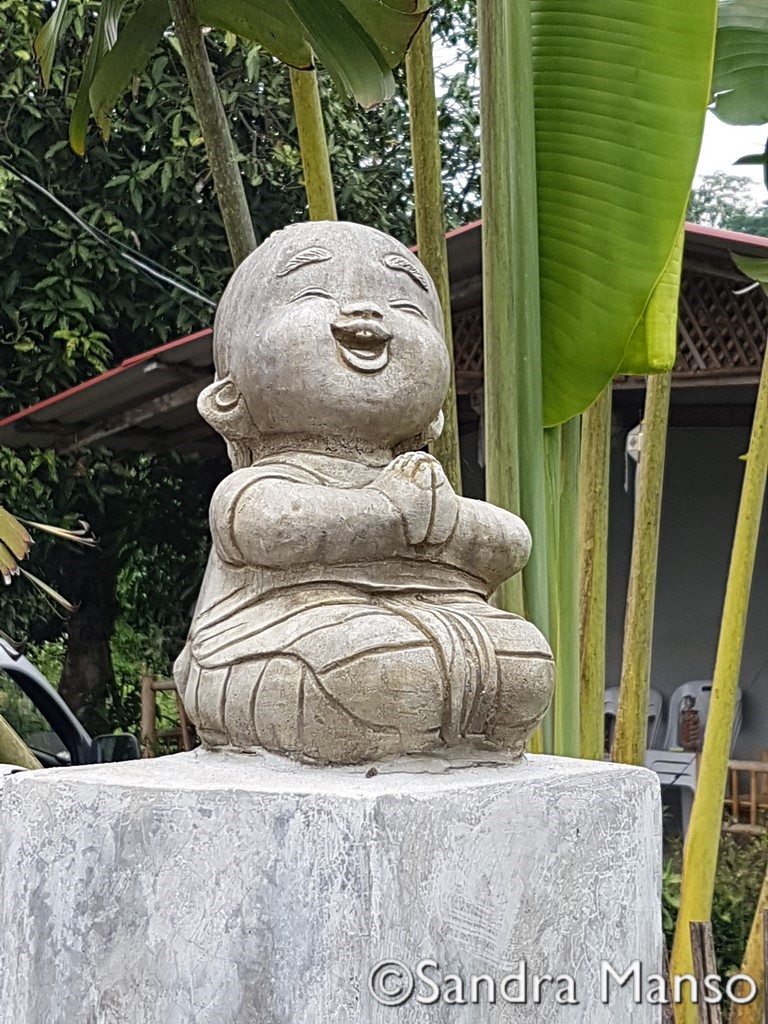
[[215, 888]]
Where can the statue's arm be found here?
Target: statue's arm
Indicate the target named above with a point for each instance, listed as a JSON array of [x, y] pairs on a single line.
[[279, 523], [488, 542]]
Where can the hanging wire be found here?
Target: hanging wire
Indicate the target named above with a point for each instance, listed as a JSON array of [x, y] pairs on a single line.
[[123, 251]]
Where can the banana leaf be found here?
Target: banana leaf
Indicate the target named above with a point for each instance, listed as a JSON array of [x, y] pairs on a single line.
[[358, 41], [653, 345], [15, 543], [620, 100], [740, 82]]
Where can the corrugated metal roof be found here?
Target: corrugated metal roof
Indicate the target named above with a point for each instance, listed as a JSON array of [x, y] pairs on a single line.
[[148, 402]]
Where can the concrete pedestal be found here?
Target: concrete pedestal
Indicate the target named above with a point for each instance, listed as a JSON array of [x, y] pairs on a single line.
[[233, 889]]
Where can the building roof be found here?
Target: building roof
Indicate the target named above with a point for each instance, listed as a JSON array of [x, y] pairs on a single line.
[[148, 402]]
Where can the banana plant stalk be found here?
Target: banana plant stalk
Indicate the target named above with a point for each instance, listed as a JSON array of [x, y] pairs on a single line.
[[430, 220], [567, 693], [593, 545], [219, 145], [702, 840], [525, 325], [315, 161], [500, 249], [631, 721], [514, 443], [553, 466]]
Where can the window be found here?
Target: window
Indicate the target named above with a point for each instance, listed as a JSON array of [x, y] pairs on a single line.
[[22, 715]]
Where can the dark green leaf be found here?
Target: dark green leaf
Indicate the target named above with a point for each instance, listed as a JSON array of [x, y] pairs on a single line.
[[103, 40], [128, 57], [47, 40], [270, 23], [740, 82]]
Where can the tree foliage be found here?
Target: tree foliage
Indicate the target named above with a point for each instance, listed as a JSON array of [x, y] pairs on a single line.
[[728, 201]]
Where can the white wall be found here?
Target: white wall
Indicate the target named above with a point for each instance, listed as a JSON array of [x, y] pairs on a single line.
[[701, 493]]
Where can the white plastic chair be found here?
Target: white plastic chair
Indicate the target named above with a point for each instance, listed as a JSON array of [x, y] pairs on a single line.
[[701, 691], [676, 767]]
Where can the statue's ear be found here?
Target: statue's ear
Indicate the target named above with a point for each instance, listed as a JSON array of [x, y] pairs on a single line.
[[435, 428], [222, 405]]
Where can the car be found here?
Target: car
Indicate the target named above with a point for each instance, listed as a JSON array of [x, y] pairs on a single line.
[[45, 722]]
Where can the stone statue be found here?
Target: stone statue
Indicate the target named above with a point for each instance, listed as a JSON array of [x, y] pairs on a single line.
[[344, 616]]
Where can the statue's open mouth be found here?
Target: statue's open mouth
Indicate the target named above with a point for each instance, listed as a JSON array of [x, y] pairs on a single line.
[[363, 343]]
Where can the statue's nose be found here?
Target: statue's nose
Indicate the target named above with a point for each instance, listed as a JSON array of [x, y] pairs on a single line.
[[364, 310]]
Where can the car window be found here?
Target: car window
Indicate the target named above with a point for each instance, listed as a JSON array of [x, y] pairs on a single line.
[[22, 715]]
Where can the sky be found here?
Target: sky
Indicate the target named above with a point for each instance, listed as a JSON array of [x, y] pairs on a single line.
[[725, 143]]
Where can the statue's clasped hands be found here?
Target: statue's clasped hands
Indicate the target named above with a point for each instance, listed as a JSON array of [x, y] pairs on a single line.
[[417, 486]]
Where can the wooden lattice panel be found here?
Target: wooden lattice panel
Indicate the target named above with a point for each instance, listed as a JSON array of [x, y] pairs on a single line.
[[720, 332], [468, 350]]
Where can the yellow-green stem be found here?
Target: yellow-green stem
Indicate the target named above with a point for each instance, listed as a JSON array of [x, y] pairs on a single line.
[[632, 719], [593, 546], [430, 220], [567, 736], [753, 965], [212, 118], [702, 840], [315, 161], [13, 750]]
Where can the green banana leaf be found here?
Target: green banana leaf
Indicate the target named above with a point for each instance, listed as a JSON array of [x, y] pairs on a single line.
[[740, 82], [754, 267], [653, 345], [620, 96], [358, 41]]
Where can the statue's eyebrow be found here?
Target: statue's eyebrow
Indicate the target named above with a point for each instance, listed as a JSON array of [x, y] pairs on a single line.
[[315, 254], [397, 262]]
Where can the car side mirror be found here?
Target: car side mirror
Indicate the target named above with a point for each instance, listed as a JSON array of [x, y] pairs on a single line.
[[115, 747]]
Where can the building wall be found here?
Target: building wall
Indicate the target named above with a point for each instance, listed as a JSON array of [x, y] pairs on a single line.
[[701, 493]]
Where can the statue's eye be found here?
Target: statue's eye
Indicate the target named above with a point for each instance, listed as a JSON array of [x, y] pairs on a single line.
[[311, 293], [408, 307]]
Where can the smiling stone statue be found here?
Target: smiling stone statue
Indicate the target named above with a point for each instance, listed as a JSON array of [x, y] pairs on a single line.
[[344, 616]]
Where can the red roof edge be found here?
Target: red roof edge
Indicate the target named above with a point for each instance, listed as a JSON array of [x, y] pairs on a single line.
[[730, 237], [696, 230], [126, 364]]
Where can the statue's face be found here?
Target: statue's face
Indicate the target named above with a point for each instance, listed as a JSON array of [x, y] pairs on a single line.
[[334, 329]]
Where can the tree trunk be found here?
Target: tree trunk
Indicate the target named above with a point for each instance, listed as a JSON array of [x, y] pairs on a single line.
[[87, 676]]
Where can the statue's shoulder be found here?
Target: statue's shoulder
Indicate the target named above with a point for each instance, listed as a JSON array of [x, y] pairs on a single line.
[[286, 471]]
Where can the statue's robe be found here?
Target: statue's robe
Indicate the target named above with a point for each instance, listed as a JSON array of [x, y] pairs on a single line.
[[290, 659]]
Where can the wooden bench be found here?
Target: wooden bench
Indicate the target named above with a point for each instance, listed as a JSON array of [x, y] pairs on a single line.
[[747, 796], [154, 740]]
